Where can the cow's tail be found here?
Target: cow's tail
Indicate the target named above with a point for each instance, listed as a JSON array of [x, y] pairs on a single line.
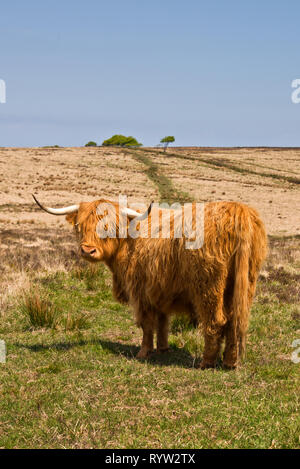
[[240, 293], [249, 255]]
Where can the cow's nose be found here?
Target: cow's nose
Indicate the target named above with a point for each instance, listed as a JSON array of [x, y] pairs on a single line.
[[87, 250]]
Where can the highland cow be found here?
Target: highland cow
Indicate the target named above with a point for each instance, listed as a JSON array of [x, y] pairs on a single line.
[[158, 276]]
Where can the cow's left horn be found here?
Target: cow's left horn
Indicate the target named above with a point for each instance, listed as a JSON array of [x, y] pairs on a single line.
[[57, 211], [135, 215]]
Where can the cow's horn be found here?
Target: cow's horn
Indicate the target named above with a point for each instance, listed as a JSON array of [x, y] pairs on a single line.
[[135, 215], [57, 211]]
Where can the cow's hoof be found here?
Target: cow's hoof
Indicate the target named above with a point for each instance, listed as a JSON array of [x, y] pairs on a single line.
[[206, 365], [229, 366], [163, 350], [142, 354]]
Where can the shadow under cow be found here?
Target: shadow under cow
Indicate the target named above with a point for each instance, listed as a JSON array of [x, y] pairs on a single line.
[[174, 357]]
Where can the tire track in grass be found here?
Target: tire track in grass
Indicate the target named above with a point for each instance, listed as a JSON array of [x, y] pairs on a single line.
[[217, 163], [168, 193], [232, 167]]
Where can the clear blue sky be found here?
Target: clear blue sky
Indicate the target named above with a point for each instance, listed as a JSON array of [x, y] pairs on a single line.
[[211, 72]]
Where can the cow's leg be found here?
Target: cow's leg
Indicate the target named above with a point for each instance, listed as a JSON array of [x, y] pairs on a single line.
[[162, 333], [235, 336], [213, 340], [214, 320], [231, 352], [242, 333], [147, 342]]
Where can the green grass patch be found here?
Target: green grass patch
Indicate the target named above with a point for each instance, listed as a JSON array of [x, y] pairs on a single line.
[[85, 388], [168, 193]]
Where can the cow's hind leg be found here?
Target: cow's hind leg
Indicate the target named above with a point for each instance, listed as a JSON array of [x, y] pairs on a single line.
[[147, 325], [231, 352], [162, 333], [214, 320], [213, 340], [235, 333]]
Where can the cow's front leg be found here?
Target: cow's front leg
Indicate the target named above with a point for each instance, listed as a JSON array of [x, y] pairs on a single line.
[[162, 333], [147, 342]]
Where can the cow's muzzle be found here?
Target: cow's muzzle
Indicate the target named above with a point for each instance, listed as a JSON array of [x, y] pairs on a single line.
[[88, 251]]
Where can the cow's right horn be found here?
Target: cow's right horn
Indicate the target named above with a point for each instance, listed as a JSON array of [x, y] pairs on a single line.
[[132, 214], [57, 211]]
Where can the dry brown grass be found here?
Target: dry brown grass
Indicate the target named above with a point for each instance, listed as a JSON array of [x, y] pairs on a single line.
[[256, 177]]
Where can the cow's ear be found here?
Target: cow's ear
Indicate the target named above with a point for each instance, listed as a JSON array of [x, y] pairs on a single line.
[[72, 217]]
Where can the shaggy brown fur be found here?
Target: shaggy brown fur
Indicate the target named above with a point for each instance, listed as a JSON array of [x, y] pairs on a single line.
[[157, 277]]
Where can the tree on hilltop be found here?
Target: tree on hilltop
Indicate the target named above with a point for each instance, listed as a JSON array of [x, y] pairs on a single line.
[[167, 140]]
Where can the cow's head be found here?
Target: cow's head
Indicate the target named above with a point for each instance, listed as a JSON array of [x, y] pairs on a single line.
[[97, 225]]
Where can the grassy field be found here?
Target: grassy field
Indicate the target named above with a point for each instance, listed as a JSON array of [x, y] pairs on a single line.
[[71, 379]]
